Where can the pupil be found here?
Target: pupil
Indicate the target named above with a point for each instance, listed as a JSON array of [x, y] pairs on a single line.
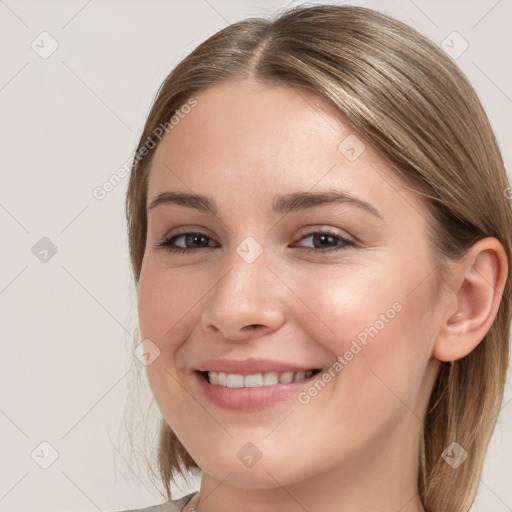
[[325, 238], [195, 238]]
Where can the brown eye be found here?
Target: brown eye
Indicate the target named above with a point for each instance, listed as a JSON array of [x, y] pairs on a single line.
[[192, 241], [326, 241]]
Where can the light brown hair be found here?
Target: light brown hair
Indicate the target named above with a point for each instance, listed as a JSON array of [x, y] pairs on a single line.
[[414, 106]]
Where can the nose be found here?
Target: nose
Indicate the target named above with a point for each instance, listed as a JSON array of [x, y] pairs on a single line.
[[247, 300]]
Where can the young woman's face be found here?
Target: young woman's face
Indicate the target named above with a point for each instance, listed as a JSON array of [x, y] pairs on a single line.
[[258, 280]]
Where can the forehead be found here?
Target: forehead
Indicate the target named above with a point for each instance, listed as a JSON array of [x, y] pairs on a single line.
[[249, 121], [256, 139]]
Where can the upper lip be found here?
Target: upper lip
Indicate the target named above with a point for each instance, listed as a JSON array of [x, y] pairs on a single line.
[[250, 366]]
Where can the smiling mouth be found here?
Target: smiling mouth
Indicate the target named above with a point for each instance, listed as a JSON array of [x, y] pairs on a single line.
[[256, 380]]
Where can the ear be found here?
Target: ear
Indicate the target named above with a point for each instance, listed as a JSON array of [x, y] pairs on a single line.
[[476, 287]]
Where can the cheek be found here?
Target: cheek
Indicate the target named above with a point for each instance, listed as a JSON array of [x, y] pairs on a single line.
[[344, 303], [165, 299], [376, 325]]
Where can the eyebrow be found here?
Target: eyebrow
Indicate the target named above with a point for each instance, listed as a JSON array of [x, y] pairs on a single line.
[[287, 203]]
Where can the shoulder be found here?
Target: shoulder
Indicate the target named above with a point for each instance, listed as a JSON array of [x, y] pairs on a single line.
[[168, 506]]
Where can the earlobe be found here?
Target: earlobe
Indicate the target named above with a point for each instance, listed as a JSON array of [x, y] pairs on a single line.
[[477, 287]]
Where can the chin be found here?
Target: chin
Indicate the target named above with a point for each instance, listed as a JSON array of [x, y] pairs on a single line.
[[269, 472]]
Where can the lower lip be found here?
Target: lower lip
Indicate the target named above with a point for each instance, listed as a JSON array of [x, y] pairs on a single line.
[[250, 399]]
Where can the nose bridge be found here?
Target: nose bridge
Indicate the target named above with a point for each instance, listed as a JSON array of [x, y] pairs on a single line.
[[246, 295]]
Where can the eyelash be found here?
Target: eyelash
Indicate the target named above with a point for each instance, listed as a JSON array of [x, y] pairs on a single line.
[[167, 242]]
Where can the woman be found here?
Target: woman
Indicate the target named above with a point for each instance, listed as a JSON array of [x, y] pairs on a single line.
[[320, 237]]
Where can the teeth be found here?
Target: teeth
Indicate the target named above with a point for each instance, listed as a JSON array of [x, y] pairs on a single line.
[[299, 376], [286, 377], [256, 380], [235, 381], [270, 378], [253, 381]]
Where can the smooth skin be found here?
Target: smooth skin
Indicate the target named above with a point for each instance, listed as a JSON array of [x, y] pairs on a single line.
[[354, 446]]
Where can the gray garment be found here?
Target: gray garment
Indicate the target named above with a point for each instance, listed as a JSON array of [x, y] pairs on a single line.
[[168, 506]]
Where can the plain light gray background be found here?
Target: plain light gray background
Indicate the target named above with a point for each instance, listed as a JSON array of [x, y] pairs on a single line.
[[69, 120]]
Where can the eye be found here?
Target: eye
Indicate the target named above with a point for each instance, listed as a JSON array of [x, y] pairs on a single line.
[[192, 238], [327, 241], [324, 241]]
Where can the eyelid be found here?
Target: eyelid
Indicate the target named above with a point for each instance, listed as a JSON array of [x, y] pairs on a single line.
[[185, 230], [308, 230]]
